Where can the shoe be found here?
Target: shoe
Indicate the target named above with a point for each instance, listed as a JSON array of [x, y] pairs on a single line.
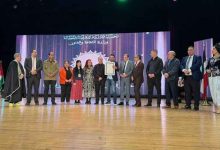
[[103, 103], [187, 107], [44, 103], [108, 103], [121, 103], [176, 107], [148, 105], [138, 105], [37, 104], [196, 108], [167, 106], [158, 105], [27, 104], [127, 103], [96, 103], [54, 103]]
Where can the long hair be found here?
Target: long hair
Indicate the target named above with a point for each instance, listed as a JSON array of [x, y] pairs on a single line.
[[86, 64], [76, 70]]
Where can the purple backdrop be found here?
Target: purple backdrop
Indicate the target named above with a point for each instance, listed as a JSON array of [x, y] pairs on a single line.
[[73, 47]]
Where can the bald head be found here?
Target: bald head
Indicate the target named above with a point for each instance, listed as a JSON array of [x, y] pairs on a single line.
[[100, 60]]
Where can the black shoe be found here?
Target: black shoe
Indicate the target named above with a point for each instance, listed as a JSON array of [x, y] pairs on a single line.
[[96, 103], [44, 103], [187, 107], [121, 103], [27, 104], [53, 103], [127, 103], [167, 106], [37, 104], [196, 108], [148, 105], [103, 103], [108, 103]]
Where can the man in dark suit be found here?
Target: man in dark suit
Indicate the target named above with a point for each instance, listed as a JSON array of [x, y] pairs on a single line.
[[170, 72], [99, 80], [111, 82], [190, 66], [154, 74], [138, 79], [33, 66]]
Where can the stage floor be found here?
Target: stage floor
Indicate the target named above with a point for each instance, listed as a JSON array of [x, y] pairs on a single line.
[[107, 127]]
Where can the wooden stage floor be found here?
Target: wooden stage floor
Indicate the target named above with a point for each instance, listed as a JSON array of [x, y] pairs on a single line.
[[107, 127]]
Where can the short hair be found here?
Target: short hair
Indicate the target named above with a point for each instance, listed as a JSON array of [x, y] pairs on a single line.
[[155, 50], [33, 50], [139, 57], [66, 61], [191, 47], [126, 54], [173, 52], [50, 52], [16, 55], [112, 55]]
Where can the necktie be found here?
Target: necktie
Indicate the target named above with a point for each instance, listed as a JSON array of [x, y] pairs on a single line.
[[188, 61], [124, 67]]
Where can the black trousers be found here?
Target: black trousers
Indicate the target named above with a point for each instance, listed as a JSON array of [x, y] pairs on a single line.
[[33, 81], [154, 82], [51, 84], [100, 85], [137, 94], [65, 92], [171, 91], [192, 89]]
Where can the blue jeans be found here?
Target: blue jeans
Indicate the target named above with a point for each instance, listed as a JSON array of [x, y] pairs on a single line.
[[111, 86]]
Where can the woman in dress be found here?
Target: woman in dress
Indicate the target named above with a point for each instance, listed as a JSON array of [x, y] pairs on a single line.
[[77, 86], [88, 84], [66, 76], [213, 70]]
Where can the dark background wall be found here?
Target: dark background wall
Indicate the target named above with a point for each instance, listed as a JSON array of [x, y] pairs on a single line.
[[188, 20]]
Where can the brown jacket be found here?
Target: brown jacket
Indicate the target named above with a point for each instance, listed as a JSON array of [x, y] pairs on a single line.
[[137, 73]]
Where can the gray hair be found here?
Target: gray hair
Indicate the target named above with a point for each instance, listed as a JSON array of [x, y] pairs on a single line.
[[173, 52], [16, 55]]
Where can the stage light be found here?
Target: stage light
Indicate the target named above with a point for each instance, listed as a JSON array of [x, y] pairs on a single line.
[[122, 1]]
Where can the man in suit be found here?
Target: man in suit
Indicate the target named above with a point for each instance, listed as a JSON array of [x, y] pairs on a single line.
[[111, 82], [190, 66], [99, 80], [33, 66], [125, 71], [138, 79], [170, 72], [153, 71]]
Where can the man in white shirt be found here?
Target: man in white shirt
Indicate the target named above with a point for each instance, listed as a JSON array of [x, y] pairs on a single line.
[[190, 67], [33, 67]]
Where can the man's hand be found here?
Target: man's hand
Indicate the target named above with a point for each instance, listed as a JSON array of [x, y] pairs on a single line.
[[166, 75], [100, 78], [132, 78]]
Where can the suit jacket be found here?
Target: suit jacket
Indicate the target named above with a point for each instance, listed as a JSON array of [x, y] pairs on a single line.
[[137, 73], [28, 67], [172, 68], [128, 70], [195, 68]]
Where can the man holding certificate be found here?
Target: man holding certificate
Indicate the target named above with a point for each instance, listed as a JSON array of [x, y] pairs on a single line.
[[125, 70], [111, 69]]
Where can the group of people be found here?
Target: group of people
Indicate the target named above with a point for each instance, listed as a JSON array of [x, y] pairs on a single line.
[[90, 81]]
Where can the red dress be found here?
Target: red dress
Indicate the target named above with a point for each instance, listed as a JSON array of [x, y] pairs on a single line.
[[77, 86]]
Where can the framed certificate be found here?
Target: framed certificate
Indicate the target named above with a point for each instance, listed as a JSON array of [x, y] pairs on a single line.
[[109, 70]]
